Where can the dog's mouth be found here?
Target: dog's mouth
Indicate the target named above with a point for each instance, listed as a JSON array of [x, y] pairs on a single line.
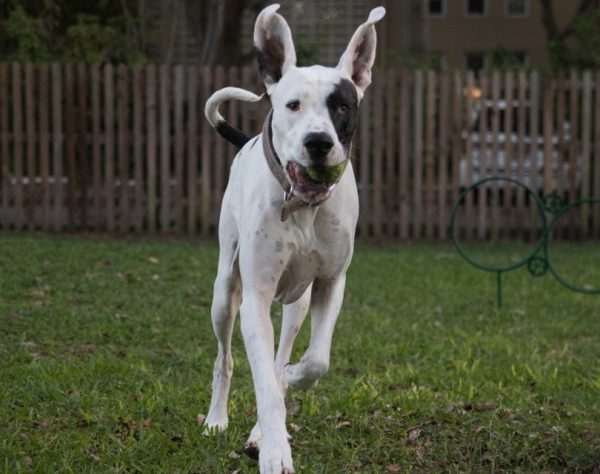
[[317, 183]]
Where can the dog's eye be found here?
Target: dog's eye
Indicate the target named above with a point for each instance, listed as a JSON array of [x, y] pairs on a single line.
[[343, 109], [293, 105]]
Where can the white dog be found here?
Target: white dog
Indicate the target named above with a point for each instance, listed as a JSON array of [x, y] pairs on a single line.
[[287, 224]]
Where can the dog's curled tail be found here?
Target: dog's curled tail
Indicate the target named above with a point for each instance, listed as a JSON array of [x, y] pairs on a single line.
[[225, 129]]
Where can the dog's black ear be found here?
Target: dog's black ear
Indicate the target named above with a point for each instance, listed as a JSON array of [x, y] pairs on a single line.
[[274, 46], [359, 56]]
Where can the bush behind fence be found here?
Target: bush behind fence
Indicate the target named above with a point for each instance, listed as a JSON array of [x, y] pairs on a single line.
[[119, 149]]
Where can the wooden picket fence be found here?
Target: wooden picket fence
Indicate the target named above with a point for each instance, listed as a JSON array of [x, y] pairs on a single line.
[[121, 150]]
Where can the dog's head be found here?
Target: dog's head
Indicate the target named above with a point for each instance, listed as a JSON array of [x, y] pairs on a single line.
[[314, 108]]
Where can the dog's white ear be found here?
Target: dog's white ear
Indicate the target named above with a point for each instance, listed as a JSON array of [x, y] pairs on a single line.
[[275, 51], [359, 56]]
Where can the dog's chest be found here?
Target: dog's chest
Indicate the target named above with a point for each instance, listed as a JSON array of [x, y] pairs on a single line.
[[309, 259]]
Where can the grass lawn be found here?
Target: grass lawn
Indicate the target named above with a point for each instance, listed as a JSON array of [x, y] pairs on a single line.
[[106, 354]]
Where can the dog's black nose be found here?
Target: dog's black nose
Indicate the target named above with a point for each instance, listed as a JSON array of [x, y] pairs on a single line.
[[318, 144]]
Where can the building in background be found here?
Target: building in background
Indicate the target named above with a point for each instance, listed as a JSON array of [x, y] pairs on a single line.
[[465, 34], [445, 34]]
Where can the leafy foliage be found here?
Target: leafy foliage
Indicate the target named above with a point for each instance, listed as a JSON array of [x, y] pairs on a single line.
[[61, 30]]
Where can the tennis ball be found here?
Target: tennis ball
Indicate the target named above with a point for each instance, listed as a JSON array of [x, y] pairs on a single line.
[[326, 174]]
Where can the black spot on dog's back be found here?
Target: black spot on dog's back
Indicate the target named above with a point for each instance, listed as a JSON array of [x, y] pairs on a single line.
[[343, 110]]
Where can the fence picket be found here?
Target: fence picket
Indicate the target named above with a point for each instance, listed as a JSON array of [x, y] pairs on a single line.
[[418, 156], [109, 130], [443, 147], [403, 158], [4, 146], [206, 168], [430, 153], [18, 143], [31, 149], [586, 150], [82, 152], [57, 146], [192, 148], [165, 149], [151, 150], [124, 212], [43, 150], [96, 151], [596, 171], [178, 149], [138, 149]]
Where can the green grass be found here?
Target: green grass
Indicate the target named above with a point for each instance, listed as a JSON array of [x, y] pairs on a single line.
[[106, 354]]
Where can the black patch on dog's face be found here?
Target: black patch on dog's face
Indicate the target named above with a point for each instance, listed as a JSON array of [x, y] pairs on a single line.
[[270, 60], [343, 110]]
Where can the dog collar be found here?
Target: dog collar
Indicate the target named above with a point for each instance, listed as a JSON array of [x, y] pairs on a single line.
[[291, 203]]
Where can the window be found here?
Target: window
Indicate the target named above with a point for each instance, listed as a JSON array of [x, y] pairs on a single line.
[[476, 7], [516, 7], [437, 7], [475, 61]]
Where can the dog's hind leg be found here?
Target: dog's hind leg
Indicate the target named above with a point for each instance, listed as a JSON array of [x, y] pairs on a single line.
[[293, 317], [225, 306]]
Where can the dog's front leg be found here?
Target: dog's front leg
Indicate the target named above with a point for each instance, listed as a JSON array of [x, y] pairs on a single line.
[[327, 296], [275, 453]]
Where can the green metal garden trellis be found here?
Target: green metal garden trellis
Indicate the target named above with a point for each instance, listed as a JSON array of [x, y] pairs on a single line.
[[538, 261]]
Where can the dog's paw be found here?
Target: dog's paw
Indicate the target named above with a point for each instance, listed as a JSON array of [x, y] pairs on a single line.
[[214, 426], [276, 457], [252, 446], [296, 376]]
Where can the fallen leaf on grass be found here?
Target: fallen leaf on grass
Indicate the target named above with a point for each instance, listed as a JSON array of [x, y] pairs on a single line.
[[292, 406], [294, 427], [200, 418], [393, 468], [233, 455], [413, 435], [343, 424], [418, 451], [27, 460], [153, 260]]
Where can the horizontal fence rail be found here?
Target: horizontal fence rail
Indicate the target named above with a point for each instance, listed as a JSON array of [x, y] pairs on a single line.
[[127, 149]]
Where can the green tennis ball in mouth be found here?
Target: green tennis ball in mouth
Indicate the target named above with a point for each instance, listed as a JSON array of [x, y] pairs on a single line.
[[326, 174]]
